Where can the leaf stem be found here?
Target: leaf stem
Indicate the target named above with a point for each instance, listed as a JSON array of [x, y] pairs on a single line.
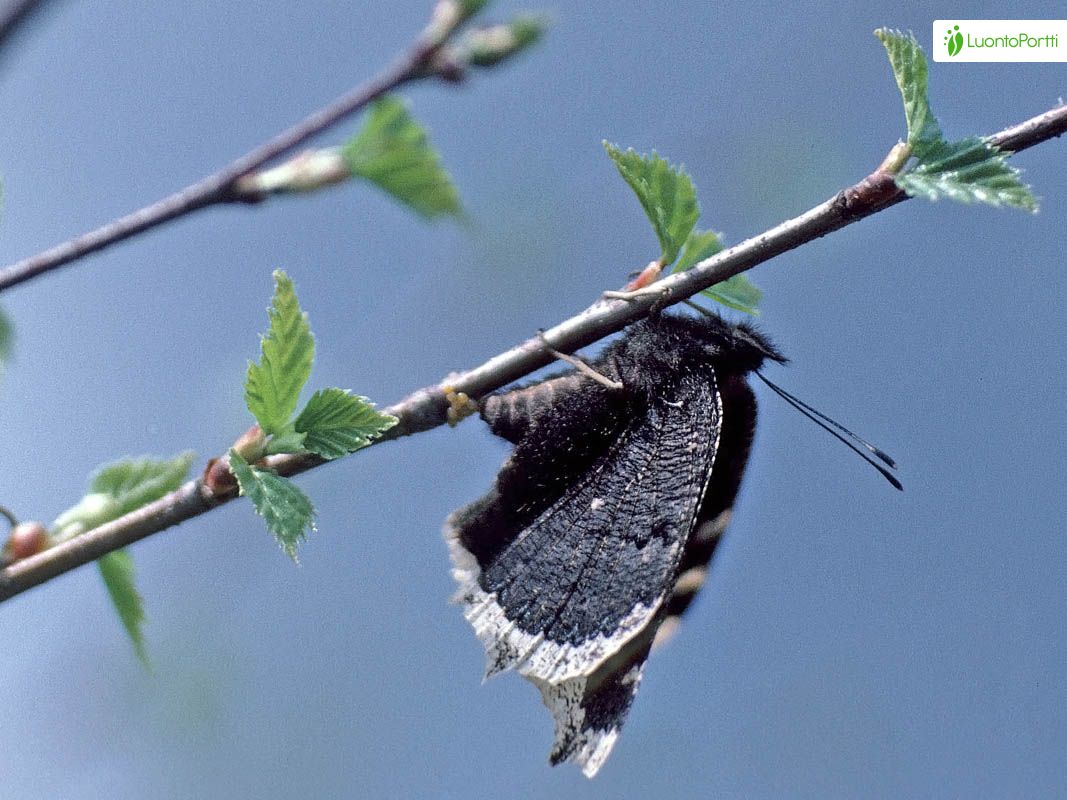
[[427, 408], [10, 517]]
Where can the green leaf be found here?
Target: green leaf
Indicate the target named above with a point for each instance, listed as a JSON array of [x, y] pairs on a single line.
[[285, 441], [469, 8], [272, 387], [116, 489], [738, 293], [909, 69], [284, 507], [134, 482], [699, 245], [116, 568], [666, 194], [489, 46], [120, 487], [970, 170], [394, 152], [336, 422], [7, 336]]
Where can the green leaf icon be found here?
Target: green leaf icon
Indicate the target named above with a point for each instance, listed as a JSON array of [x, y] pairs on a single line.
[[394, 152], [284, 507], [272, 387], [954, 40], [666, 194]]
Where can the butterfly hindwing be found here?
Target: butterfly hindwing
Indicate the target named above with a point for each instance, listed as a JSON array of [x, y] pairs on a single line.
[[735, 441]]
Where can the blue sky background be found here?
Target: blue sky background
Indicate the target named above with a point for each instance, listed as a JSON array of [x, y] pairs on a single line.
[[852, 641]]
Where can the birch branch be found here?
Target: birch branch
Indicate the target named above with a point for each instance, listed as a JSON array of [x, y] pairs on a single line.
[[13, 15], [430, 56], [427, 407]]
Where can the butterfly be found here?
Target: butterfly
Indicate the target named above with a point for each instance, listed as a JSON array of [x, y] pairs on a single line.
[[599, 528]]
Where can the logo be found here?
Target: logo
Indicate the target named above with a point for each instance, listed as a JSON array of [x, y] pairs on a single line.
[[954, 40], [1004, 40]]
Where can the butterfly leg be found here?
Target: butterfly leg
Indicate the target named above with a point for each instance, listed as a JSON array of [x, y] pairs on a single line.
[[579, 365]]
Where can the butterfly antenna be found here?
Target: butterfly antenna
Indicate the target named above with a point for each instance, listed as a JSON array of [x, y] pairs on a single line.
[[839, 431]]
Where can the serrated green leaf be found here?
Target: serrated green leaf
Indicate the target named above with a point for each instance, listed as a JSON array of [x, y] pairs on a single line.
[[666, 194], [120, 487], [699, 245], [394, 152], [284, 507], [335, 423], [272, 387], [738, 293], [285, 441], [968, 171], [133, 482], [116, 568], [910, 71], [7, 336]]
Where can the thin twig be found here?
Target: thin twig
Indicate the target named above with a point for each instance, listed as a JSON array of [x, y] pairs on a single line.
[[219, 187], [13, 14], [427, 408], [6, 513]]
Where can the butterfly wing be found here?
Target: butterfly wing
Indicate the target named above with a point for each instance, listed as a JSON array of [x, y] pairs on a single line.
[[735, 441], [569, 586]]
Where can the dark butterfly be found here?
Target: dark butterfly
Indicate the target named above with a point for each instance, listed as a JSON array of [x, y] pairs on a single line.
[[598, 531]]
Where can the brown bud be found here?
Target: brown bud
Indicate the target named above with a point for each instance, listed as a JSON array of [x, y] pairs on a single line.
[[251, 444], [26, 539], [217, 478]]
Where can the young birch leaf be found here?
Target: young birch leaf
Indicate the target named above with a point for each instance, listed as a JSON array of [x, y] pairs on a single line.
[[120, 487], [968, 171], [666, 194], [284, 507], [286, 441], [394, 152], [738, 292], [272, 387], [699, 245], [7, 337], [116, 568], [116, 489], [335, 422], [909, 69], [134, 482]]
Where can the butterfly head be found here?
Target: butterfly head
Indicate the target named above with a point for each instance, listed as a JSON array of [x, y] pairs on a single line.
[[667, 345]]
